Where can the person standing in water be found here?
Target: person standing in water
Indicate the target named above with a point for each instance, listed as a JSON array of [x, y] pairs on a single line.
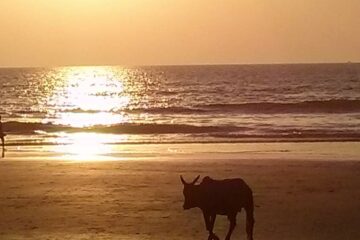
[[2, 135]]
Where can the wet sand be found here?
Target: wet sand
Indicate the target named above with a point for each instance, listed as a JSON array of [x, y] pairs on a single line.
[[295, 199]]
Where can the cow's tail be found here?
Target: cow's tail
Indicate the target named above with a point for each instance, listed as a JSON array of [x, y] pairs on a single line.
[[250, 216]]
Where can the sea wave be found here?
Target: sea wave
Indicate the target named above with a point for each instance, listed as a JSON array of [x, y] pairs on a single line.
[[124, 128], [291, 135], [190, 133], [79, 110], [167, 110], [28, 112], [327, 106], [305, 107]]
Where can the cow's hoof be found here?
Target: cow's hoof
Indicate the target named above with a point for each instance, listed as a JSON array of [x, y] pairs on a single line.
[[213, 237]]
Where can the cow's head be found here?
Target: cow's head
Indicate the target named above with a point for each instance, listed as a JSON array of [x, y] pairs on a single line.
[[191, 193]]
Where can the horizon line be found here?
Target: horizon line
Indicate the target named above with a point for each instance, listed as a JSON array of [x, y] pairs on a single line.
[[181, 65]]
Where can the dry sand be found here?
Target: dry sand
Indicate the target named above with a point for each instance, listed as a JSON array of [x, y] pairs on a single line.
[[295, 199]]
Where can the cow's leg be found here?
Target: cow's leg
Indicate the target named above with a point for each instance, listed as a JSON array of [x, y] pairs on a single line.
[[232, 219], [250, 222], [209, 223], [212, 222], [212, 235], [206, 220]]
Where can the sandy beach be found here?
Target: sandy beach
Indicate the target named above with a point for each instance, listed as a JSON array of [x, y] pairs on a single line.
[[142, 199]]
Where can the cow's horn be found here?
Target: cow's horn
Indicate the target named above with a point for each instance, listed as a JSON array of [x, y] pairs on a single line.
[[182, 180], [195, 180]]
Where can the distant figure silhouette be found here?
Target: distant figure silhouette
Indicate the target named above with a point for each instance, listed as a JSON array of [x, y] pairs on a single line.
[[223, 197], [2, 136]]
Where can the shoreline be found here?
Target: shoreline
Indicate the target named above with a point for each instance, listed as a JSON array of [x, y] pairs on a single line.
[[89, 151]]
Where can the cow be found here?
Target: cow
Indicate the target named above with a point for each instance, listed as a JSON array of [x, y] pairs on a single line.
[[220, 197]]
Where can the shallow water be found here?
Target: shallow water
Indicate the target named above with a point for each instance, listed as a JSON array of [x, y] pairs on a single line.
[[193, 152]]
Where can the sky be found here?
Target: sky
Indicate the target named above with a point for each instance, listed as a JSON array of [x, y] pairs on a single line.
[[177, 32]]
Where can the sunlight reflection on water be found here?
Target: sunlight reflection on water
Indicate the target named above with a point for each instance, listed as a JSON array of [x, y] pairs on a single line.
[[88, 96], [86, 146]]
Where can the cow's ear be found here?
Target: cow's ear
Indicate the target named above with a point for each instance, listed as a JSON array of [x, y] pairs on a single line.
[[195, 180], [182, 180]]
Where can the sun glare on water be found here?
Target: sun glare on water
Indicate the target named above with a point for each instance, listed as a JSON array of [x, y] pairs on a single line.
[[90, 96], [86, 97], [86, 146]]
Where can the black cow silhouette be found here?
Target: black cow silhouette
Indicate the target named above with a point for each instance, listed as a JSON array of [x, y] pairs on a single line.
[[223, 197]]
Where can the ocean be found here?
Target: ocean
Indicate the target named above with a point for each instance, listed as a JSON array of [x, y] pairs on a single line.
[[181, 104]]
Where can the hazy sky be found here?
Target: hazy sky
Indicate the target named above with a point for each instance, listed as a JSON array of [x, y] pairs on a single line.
[[137, 32]]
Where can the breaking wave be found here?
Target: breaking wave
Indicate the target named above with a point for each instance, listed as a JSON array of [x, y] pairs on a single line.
[[328, 106], [196, 133], [305, 107], [126, 128]]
